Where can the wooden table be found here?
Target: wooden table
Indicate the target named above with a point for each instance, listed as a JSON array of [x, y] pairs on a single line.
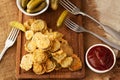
[[9, 12]]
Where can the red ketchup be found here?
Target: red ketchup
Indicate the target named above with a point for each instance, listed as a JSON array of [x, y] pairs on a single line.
[[100, 58]]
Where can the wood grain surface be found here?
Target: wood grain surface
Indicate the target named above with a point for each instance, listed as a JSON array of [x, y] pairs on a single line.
[[74, 39], [9, 12]]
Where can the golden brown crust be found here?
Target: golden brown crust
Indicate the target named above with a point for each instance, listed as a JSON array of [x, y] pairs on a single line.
[[66, 47], [38, 68], [39, 56], [30, 46], [49, 51], [28, 23], [55, 46], [76, 64], [59, 56], [66, 62], [38, 25], [26, 62], [49, 65], [29, 34], [41, 40]]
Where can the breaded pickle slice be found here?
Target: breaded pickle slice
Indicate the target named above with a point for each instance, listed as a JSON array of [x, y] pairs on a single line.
[[49, 65], [27, 61], [76, 64], [38, 68], [29, 34], [66, 62], [38, 25]]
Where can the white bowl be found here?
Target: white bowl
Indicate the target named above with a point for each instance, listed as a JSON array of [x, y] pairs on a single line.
[[96, 70], [31, 14]]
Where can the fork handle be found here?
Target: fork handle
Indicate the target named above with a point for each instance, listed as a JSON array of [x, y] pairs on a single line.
[[3, 52], [109, 30], [105, 40]]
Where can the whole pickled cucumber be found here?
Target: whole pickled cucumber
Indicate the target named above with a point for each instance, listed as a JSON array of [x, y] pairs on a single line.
[[40, 7], [62, 18], [33, 4], [54, 4], [24, 3]]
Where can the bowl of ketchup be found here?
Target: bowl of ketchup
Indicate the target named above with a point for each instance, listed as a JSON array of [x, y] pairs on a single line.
[[100, 58]]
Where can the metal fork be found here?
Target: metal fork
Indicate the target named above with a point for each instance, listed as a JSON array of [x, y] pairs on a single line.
[[73, 26], [10, 41], [75, 10]]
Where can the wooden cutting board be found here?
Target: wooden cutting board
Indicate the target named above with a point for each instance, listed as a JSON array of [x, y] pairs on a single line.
[[74, 39]]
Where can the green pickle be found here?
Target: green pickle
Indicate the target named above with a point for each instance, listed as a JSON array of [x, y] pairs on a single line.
[[17, 25], [33, 4], [54, 4], [24, 3], [40, 7], [61, 18]]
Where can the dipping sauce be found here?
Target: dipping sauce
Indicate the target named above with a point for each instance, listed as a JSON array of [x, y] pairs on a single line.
[[100, 58]]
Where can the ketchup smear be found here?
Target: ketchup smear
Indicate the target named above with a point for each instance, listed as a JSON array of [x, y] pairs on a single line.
[[100, 57]]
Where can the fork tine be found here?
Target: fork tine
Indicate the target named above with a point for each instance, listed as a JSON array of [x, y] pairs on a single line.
[[71, 4], [70, 25], [11, 33], [14, 35], [74, 24], [66, 5]]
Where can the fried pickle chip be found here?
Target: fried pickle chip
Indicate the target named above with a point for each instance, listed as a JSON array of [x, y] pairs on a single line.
[[30, 46], [29, 34], [54, 35], [37, 36], [39, 56], [55, 46], [49, 65], [28, 23], [43, 43], [63, 41], [41, 40], [47, 49], [66, 62], [66, 48], [57, 35], [38, 68], [76, 64], [58, 66], [26, 62], [38, 25], [59, 56]]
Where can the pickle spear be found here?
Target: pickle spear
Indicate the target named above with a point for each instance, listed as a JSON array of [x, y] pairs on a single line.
[[34, 3], [40, 7], [54, 4], [24, 3], [17, 25], [62, 18]]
